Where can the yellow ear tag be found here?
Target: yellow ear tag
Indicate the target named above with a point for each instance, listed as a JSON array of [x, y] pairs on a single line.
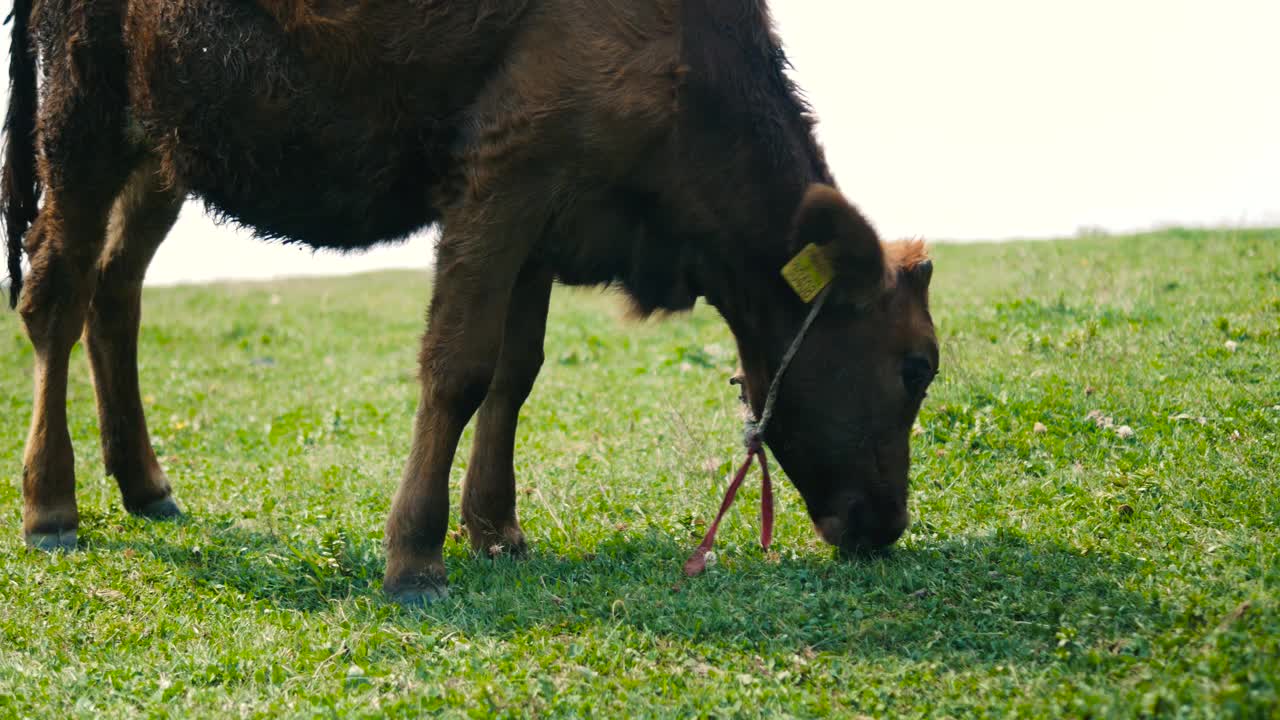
[[809, 272]]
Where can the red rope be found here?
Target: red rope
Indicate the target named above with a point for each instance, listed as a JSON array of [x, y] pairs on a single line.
[[698, 561], [766, 502]]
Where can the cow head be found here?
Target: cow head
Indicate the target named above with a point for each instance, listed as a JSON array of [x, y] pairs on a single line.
[[847, 403]]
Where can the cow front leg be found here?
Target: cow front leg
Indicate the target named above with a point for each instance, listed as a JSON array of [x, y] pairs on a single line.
[[475, 275], [489, 491], [143, 213]]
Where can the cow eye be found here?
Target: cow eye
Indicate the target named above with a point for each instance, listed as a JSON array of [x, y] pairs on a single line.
[[917, 373]]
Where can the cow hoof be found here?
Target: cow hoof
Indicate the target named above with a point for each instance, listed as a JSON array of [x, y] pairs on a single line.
[[166, 508], [418, 592], [58, 540]]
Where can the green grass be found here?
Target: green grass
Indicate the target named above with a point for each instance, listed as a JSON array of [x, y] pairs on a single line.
[[1065, 573]]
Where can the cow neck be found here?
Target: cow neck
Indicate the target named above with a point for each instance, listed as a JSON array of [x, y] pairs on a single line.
[[764, 316], [757, 425]]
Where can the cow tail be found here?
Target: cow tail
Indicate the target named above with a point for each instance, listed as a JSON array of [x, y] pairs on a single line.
[[20, 186]]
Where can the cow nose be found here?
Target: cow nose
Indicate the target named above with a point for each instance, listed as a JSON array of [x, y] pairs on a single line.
[[869, 528]]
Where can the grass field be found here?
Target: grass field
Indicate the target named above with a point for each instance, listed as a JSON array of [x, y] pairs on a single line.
[[1094, 491]]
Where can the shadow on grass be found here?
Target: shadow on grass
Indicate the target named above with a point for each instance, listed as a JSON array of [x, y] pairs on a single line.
[[992, 598]]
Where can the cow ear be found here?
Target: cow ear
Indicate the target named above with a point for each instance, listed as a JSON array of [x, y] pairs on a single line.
[[827, 220]]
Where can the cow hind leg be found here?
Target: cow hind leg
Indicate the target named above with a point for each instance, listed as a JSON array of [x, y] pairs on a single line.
[[489, 491], [142, 215], [63, 246]]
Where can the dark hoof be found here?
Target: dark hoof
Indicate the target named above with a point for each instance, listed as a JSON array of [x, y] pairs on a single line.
[[166, 508], [419, 592], [64, 540]]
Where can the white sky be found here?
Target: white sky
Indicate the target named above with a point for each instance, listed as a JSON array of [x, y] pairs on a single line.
[[983, 119]]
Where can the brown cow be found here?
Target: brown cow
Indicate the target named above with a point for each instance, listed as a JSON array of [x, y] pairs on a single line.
[[657, 145]]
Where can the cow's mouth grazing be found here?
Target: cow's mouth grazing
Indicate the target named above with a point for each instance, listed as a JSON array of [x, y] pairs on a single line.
[[864, 525], [861, 535]]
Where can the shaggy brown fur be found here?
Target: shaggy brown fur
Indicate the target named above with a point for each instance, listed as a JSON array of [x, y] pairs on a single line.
[[656, 145]]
